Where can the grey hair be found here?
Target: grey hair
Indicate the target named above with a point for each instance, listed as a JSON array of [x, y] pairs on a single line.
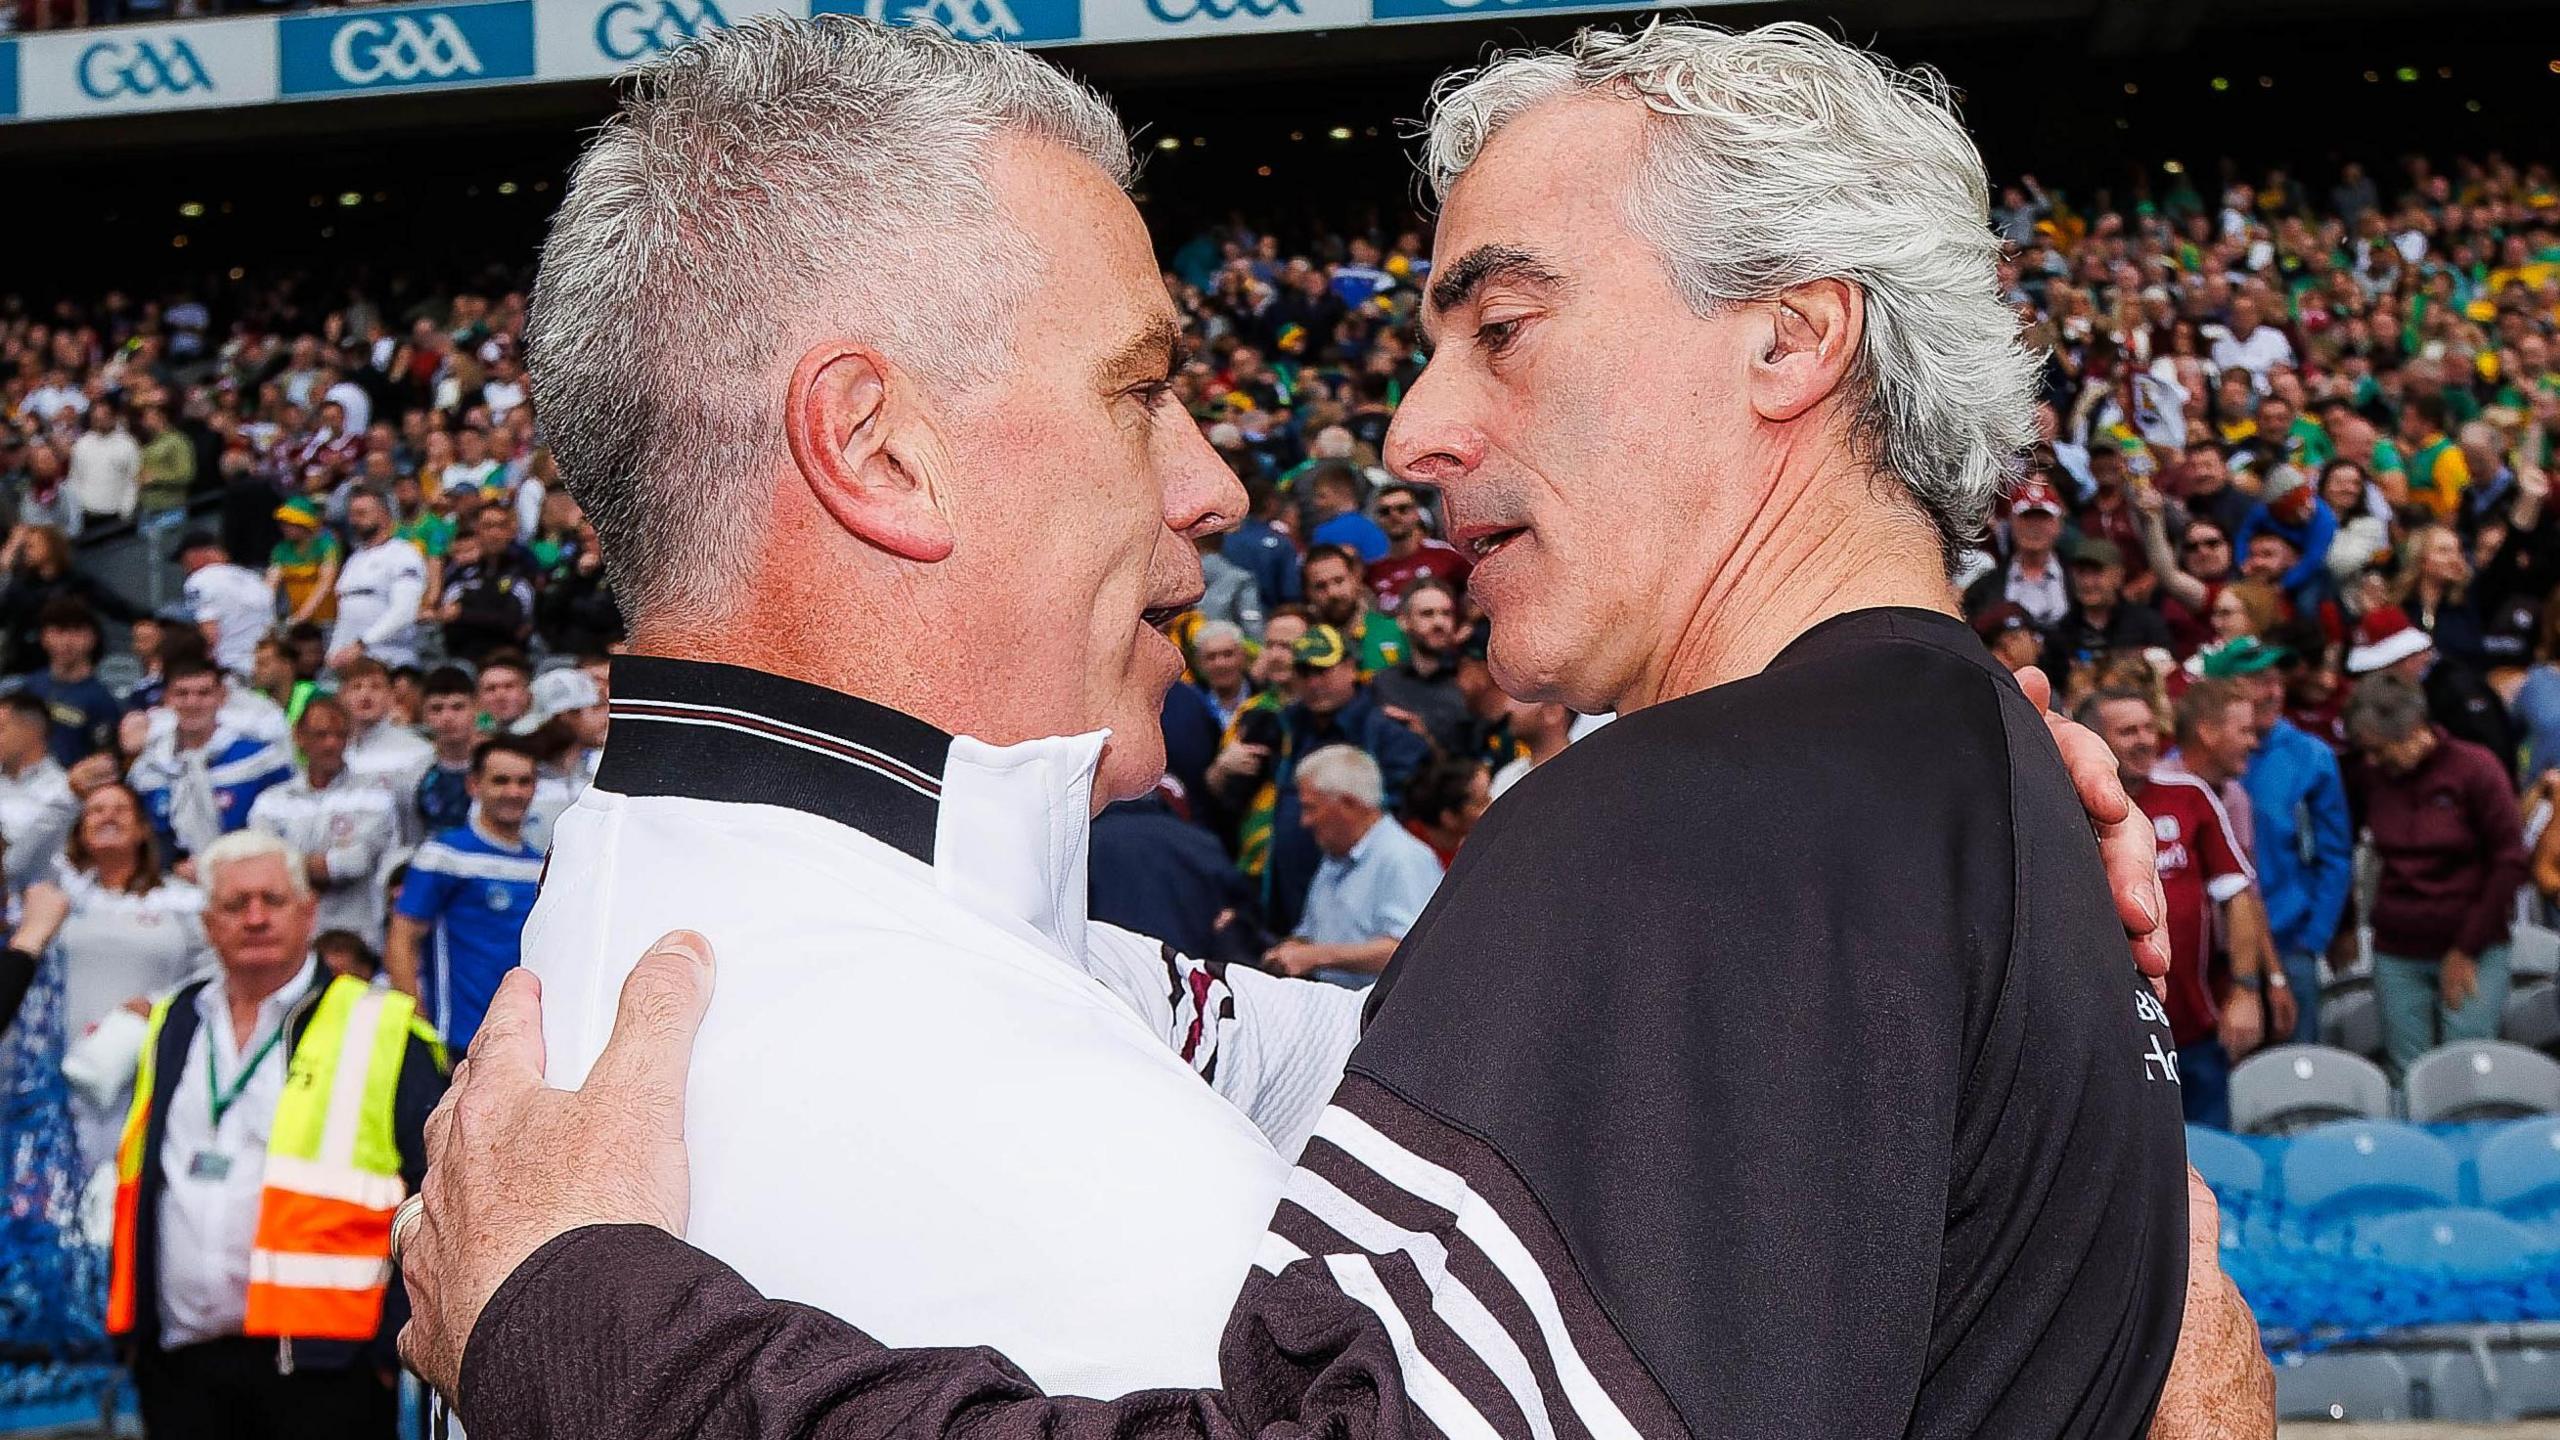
[[242, 845], [1217, 630], [1346, 771], [2384, 710], [1780, 156], [761, 187]]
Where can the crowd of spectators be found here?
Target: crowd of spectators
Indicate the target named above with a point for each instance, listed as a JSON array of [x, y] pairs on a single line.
[[2288, 516], [2284, 540]]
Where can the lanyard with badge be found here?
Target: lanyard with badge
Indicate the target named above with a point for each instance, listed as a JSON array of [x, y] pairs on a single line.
[[212, 1163]]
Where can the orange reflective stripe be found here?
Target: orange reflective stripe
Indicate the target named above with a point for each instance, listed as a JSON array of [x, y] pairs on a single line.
[[313, 1314], [129, 1147], [316, 1225]]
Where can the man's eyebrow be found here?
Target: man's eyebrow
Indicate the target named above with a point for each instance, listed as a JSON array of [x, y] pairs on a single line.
[[1469, 273], [1150, 353]]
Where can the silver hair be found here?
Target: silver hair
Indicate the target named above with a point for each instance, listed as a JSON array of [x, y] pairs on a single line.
[[1346, 771], [242, 845], [1780, 156], [759, 188], [2385, 710], [1216, 630]]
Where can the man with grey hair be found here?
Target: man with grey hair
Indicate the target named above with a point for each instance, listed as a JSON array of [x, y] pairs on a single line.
[[1821, 1110], [1373, 883]]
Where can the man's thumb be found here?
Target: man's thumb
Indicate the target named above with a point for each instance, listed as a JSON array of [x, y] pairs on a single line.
[[663, 1001]]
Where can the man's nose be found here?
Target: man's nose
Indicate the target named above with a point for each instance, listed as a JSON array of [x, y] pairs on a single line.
[[1201, 495], [1429, 440]]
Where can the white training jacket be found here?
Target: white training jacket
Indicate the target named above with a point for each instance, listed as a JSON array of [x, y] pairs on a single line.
[[930, 1096]]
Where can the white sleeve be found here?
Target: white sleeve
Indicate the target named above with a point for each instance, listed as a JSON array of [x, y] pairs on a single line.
[[400, 612], [356, 861], [1273, 1047]]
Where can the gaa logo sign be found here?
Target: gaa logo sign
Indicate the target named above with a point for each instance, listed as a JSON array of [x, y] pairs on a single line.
[[111, 69], [1174, 12], [963, 19], [629, 29], [400, 50]]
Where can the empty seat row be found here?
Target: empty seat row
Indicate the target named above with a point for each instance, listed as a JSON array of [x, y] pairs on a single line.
[[2354, 1169], [2296, 1087], [2500, 1381]]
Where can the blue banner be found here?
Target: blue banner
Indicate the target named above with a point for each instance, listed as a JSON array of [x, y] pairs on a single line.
[[407, 49], [8, 79]]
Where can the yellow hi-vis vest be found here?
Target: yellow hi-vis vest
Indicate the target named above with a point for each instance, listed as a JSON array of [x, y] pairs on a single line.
[[322, 1257]]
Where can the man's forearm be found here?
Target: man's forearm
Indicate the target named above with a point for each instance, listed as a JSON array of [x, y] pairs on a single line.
[[1368, 957], [2252, 945], [626, 1331], [400, 955]]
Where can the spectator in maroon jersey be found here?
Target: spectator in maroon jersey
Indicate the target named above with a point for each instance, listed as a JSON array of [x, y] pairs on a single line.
[[2442, 814], [2203, 865], [1412, 552], [2110, 514]]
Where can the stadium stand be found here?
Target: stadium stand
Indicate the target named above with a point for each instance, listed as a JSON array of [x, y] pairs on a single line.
[[2355, 1168]]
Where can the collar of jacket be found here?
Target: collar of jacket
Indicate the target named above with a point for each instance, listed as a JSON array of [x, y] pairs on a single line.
[[1004, 828]]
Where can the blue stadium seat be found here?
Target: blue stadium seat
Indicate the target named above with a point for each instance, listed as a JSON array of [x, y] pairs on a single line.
[[2229, 1166], [2361, 1385], [2295, 1087], [2481, 1080], [2518, 1169], [2362, 1167], [2457, 1242]]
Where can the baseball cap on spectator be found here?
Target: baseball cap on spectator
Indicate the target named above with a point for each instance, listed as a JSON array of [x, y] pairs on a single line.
[[1321, 648], [557, 693], [2384, 638], [2508, 635], [2095, 551], [2244, 655], [2001, 619], [2036, 497], [299, 511]]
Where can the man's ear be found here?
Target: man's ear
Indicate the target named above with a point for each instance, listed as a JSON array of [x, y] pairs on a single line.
[[849, 417], [1812, 337]]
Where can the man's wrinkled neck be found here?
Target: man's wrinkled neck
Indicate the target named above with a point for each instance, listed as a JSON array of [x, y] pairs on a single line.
[[1835, 544]]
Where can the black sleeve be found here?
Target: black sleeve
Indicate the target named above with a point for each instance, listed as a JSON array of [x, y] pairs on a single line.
[[627, 1331], [17, 973], [421, 1085]]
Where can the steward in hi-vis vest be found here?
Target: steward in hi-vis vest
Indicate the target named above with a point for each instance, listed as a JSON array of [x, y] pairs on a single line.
[[342, 1144]]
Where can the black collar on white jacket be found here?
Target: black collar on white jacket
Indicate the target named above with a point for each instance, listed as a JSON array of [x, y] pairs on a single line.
[[703, 731]]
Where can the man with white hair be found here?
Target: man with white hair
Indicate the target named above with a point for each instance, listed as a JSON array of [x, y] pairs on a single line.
[[1645, 1114], [1374, 882], [279, 1116]]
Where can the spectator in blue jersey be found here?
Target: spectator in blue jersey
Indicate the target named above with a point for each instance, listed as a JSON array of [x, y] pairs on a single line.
[[198, 778], [1334, 489], [1360, 281], [469, 891], [1256, 546], [83, 709], [452, 714], [2305, 845]]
